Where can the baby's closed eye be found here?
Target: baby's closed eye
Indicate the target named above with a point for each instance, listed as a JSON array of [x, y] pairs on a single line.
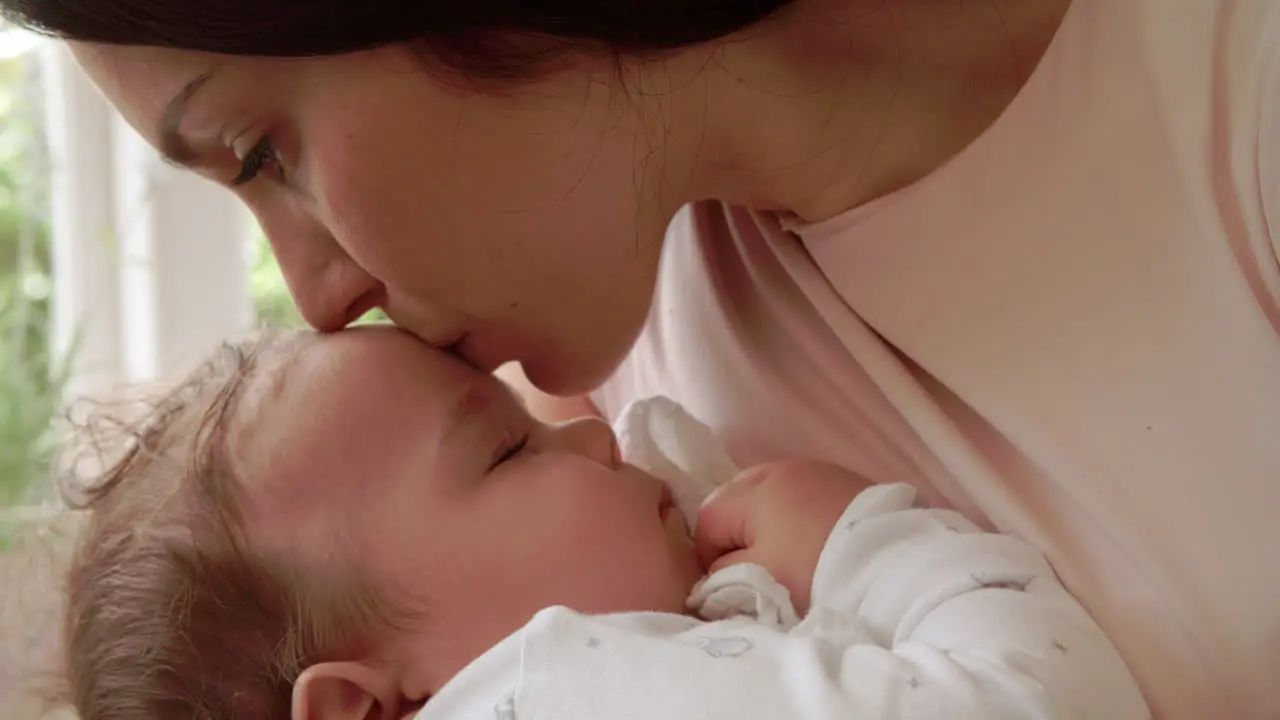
[[509, 448]]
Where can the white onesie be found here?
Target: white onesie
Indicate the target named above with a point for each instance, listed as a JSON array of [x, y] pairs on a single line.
[[915, 613]]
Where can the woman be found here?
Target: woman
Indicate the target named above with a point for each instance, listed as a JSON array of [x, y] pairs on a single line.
[[1020, 254]]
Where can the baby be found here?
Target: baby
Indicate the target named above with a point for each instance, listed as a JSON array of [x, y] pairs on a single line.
[[356, 526]]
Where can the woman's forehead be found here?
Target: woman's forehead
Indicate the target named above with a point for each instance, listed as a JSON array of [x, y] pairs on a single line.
[[141, 82]]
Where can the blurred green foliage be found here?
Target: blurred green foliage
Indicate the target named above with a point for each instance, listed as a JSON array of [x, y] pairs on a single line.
[[31, 379]]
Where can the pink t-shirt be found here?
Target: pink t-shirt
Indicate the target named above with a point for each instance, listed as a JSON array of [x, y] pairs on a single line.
[[1070, 332]]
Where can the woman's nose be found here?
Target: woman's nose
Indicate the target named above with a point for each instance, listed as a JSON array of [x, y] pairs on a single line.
[[330, 289], [589, 437]]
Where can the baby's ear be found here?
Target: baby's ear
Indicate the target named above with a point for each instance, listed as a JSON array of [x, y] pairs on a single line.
[[344, 691]]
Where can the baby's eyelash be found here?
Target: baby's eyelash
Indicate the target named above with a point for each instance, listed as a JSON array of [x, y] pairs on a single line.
[[509, 451], [262, 155]]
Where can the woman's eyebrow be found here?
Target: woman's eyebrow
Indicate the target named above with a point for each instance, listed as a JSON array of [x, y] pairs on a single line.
[[173, 145]]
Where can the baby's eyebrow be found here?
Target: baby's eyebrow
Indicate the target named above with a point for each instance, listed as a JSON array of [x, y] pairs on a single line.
[[478, 398], [470, 402]]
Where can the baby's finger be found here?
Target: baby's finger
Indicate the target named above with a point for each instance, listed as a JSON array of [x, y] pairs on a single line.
[[737, 557], [724, 523]]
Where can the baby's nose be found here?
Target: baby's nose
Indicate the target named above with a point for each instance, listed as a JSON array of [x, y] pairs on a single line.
[[591, 438]]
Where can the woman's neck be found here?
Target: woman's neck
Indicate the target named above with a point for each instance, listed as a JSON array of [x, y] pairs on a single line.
[[838, 102]]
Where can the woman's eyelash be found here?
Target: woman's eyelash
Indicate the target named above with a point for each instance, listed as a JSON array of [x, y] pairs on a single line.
[[262, 155], [507, 452]]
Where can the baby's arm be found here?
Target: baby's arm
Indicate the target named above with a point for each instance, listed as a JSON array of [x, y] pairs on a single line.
[[932, 615]]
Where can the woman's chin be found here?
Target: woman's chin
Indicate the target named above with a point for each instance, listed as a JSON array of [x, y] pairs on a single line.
[[565, 377]]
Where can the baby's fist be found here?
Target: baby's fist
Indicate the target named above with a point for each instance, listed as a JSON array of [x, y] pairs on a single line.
[[778, 516]]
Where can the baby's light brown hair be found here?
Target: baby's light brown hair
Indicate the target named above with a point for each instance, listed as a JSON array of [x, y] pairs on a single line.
[[171, 612]]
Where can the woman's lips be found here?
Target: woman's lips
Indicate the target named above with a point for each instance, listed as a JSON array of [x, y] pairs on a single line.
[[473, 352], [463, 348], [448, 343]]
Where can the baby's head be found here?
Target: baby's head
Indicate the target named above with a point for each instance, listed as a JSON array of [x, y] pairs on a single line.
[[338, 524]]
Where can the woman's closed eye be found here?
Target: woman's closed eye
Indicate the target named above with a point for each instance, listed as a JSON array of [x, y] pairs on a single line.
[[509, 449], [262, 156]]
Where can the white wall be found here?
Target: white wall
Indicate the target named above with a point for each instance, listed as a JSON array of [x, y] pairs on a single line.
[[150, 268]]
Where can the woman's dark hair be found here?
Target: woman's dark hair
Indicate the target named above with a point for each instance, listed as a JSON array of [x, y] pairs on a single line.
[[482, 39]]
